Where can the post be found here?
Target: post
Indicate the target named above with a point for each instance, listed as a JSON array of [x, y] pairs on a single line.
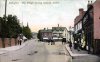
[[5, 8]]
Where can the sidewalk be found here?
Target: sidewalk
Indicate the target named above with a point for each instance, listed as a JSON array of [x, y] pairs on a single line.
[[12, 48], [81, 56], [74, 52]]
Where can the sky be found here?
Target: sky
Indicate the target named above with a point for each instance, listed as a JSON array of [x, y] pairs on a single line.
[[41, 14]]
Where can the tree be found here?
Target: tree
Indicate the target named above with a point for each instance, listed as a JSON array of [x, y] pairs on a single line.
[[14, 28], [9, 27], [39, 35], [27, 32]]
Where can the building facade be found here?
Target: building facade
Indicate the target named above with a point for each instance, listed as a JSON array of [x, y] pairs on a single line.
[[56, 33], [46, 34], [59, 32], [91, 24], [78, 35]]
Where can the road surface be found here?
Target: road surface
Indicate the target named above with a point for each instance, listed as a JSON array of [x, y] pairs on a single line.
[[35, 51]]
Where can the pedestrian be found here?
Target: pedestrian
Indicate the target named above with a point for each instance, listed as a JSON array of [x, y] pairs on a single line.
[[20, 41], [78, 45], [49, 41], [70, 44], [75, 45], [62, 40]]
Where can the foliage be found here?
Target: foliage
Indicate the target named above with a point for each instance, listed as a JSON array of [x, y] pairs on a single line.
[[27, 32], [14, 27], [39, 35], [9, 26], [4, 28]]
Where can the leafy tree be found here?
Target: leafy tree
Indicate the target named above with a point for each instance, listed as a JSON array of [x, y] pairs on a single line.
[[27, 32], [39, 35], [14, 28], [9, 27]]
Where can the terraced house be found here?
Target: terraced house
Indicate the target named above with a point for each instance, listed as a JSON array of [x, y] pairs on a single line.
[[91, 24], [86, 27]]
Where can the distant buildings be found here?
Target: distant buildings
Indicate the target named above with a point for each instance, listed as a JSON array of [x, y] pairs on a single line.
[[59, 32], [46, 34], [56, 33]]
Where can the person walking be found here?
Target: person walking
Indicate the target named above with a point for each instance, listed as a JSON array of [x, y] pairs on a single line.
[[62, 41], [78, 45], [49, 41], [70, 44], [20, 41]]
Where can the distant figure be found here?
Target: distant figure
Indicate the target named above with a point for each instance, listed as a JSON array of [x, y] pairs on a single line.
[[70, 44], [53, 42], [63, 40], [20, 41], [49, 41], [78, 45], [75, 45]]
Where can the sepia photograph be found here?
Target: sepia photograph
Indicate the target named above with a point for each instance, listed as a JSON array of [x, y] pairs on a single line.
[[49, 30]]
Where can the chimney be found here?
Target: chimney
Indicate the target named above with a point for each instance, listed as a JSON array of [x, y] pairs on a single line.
[[81, 10], [89, 4], [58, 25], [44, 28]]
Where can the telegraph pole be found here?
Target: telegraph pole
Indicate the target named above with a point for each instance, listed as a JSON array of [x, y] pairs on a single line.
[[5, 9], [3, 43]]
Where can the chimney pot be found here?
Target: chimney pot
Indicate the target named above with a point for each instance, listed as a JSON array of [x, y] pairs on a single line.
[[81, 10]]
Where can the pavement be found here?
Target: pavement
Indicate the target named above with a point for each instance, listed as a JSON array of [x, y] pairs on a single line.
[[81, 56], [74, 52], [12, 48]]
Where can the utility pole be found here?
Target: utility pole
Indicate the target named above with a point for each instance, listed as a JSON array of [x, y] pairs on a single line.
[[3, 43], [5, 9]]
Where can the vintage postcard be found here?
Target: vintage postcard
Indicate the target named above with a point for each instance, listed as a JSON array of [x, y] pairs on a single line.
[[49, 31]]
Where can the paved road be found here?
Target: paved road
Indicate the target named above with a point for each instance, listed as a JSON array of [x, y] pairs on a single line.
[[37, 52]]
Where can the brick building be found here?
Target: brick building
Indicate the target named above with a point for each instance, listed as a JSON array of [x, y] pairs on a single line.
[[91, 24], [45, 34], [78, 26]]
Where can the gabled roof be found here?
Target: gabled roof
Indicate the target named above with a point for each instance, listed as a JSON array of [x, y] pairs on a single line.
[[59, 28], [78, 18], [48, 30]]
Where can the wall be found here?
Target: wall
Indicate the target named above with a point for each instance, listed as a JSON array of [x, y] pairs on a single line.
[[7, 42], [97, 20]]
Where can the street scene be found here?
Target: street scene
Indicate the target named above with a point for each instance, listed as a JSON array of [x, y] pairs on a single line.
[[49, 31]]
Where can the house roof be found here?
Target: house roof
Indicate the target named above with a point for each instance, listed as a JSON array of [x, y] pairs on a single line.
[[78, 18], [59, 28], [48, 30]]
